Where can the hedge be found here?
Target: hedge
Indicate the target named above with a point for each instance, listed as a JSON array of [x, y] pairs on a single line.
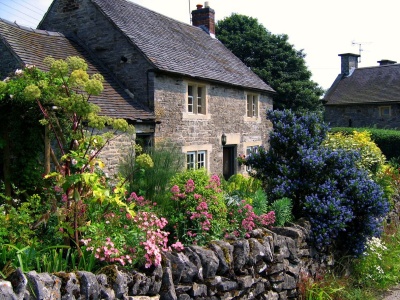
[[388, 140]]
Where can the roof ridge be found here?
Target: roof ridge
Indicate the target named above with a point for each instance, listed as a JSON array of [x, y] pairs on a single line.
[[26, 28], [155, 12], [372, 67]]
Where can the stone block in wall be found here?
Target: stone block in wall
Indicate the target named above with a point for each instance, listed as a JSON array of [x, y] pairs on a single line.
[[69, 285], [226, 260], [19, 283], [209, 261], [90, 288], [106, 291], [195, 259], [44, 285], [167, 291], [6, 291], [198, 290], [290, 282], [241, 251], [223, 265], [183, 270]]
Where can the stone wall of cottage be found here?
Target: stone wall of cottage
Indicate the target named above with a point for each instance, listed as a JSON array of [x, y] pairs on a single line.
[[226, 113], [271, 264], [116, 152], [104, 40], [362, 116], [8, 62]]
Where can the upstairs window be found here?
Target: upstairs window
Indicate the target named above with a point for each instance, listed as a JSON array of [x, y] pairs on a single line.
[[196, 102], [196, 159], [252, 105]]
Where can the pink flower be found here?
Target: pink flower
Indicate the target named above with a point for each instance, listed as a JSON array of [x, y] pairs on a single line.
[[189, 187], [178, 246]]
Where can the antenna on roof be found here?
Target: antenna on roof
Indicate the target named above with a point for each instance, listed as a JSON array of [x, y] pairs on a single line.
[[359, 49], [190, 14]]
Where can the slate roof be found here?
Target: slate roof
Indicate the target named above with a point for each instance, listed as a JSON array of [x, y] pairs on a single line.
[[371, 85], [32, 46], [177, 47]]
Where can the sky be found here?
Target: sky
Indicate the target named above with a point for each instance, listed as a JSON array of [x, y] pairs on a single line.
[[321, 28]]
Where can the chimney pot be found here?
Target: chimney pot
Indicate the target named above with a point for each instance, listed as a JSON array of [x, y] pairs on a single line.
[[385, 62], [204, 17]]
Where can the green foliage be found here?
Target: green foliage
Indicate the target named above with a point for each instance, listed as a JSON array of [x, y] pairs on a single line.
[[283, 211], [379, 267], [19, 224], [273, 59], [386, 139], [151, 180], [372, 274], [79, 191], [371, 158], [197, 212]]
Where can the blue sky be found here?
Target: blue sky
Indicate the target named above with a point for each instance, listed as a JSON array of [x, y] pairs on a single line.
[[323, 28]]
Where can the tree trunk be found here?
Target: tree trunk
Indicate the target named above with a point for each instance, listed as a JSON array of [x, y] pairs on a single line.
[[47, 152]]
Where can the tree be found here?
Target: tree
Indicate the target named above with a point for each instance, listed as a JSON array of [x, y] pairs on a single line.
[[273, 59]]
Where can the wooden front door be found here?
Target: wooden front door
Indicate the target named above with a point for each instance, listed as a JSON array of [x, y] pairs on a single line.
[[228, 161]]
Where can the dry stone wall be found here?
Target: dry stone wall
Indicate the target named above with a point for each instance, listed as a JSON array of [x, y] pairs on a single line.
[[268, 265]]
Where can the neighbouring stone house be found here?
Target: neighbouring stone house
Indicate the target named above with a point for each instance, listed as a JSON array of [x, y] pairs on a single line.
[[364, 97], [203, 97]]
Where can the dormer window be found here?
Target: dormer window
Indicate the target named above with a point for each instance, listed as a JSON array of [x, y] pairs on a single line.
[[196, 99]]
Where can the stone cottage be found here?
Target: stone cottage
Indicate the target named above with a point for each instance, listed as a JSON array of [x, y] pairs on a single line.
[[364, 97], [201, 96]]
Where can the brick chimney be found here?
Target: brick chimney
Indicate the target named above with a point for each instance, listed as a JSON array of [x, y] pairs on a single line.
[[349, 63], [204, 17], [385, 62]]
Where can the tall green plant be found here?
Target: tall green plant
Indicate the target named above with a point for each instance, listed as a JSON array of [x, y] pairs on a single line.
[[152, 180]]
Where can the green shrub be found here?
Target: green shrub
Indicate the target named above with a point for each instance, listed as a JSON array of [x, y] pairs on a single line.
[[197, 212], [371, 157], [388, 140], [345, 207]]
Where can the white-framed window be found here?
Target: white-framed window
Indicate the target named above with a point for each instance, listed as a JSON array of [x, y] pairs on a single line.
[[196, 159], [252, 105], [385, 111], [196, 99], [249, 151]]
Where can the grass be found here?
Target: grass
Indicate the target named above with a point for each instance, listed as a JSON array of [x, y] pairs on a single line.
[[366, 278]]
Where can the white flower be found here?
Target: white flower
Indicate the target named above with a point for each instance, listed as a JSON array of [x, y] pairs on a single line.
[[19, 72], [74, 161]]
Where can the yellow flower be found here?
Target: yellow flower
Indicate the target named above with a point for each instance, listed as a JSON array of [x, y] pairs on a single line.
[[144, 161]]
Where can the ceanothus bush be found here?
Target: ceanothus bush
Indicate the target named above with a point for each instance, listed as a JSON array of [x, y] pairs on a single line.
[[344, 205]]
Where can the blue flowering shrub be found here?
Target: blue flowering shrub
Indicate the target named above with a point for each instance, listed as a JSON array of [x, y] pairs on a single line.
[[344, 205]]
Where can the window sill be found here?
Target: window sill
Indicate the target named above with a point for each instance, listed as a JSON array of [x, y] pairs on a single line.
[[187, 116]]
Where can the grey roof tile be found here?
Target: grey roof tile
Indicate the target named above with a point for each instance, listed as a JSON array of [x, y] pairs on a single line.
[[371, 85], [177, 47], [32, 46]]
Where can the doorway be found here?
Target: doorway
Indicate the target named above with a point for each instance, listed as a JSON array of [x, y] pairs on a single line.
[[228, 161]]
